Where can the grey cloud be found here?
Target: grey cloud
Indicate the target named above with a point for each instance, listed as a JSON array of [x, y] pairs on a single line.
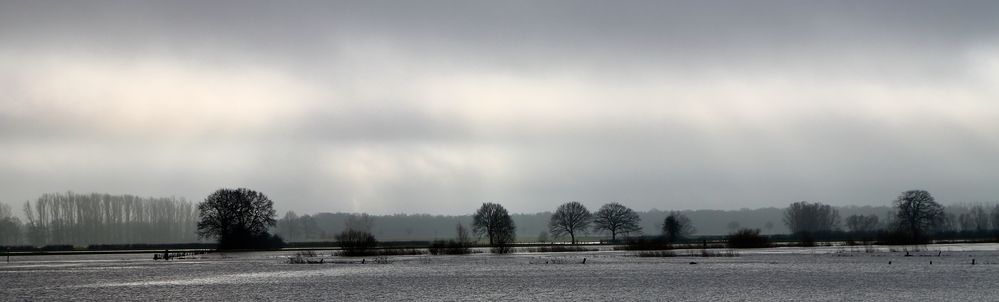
[[653, 124]]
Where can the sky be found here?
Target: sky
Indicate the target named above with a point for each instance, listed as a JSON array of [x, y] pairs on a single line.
[[438, 106]]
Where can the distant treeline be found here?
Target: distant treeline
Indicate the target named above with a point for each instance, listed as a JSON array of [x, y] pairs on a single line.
[[82, 219], [322, 226], [93, 219]]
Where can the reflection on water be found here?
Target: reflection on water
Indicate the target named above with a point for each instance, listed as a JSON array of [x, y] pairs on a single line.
[[825, 273], [260, 277]]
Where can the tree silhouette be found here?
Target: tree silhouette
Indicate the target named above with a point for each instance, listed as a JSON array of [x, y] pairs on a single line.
[[493, 221], [616, 219], [10, 226], [570, 219], [918, 213], [356, 242], [995, 218], [78, 219], [677, 226], [237, 218], [805, 218]]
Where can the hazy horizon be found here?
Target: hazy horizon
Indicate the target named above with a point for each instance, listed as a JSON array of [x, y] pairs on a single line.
[[436, 107]]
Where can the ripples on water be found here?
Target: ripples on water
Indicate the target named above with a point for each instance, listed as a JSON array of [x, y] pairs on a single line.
[[792, 274]]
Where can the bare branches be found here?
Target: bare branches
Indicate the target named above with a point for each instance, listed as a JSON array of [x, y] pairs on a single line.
[[238, 218], [918, 213], [805, 217], [493, 221], [570, 218], [616, 219]]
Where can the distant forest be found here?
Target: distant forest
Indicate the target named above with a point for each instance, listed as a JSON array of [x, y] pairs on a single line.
[[322, 226], [83, 219]]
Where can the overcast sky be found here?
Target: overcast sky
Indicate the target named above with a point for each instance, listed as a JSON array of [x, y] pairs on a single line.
[[438, 106]]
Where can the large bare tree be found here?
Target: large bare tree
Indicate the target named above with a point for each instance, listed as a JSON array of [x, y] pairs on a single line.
[[570, 218], [616, 219], [493, 221], [918, 213], [238, 218]]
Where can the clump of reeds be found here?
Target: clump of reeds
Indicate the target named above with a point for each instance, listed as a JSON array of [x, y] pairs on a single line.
[[305, 257]]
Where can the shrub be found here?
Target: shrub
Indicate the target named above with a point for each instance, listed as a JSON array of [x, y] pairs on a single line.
[[656, 254], [356, 243], [304, 257], [747, 238]]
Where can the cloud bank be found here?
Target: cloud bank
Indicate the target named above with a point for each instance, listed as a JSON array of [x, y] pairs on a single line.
[[438, 106]]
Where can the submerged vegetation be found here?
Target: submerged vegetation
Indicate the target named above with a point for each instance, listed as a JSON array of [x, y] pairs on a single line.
[[746, 239]]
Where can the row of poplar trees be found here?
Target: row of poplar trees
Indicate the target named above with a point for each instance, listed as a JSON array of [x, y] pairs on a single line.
[[70, 218]]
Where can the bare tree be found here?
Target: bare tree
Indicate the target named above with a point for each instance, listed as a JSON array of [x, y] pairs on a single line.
[[289, 227], [570, 218], [995, 218], [862, 223], [965, 222], [677, 226], [238, 218], [10, 226], [70, 218], [918, 213], [356, 242], [805, 217], [616, 219], [493, 221], [979, 218], [463, 239]]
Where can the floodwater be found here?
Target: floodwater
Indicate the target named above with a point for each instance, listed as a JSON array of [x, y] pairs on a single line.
[[777, 274]]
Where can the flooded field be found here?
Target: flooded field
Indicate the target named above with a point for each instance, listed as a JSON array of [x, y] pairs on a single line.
[[788, 274]]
